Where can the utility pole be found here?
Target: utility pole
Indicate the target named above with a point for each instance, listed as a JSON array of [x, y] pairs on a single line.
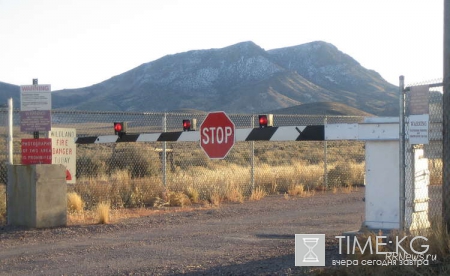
[[446, 119]]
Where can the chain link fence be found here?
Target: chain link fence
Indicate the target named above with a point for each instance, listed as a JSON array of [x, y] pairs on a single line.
[[140, 174], [423, 162]]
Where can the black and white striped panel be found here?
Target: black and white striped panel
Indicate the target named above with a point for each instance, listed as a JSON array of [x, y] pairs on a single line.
[[285, 133], [186, 136]]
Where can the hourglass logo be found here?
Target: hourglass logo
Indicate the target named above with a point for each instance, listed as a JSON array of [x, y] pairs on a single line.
[[310, 250]]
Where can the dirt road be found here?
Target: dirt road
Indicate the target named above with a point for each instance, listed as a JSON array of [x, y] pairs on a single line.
[[234, 239]]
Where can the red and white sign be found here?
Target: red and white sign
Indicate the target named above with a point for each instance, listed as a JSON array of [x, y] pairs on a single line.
[[64, 150], [217, 135], [36, 151]]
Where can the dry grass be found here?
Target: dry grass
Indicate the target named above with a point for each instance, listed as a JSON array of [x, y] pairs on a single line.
[[334, 190], [74, 203], [213, 181], [435, 167], [178, 199], [102, 211], [295, 190], [193, 194], [299, 190], [257, 194], [2, 204], [215, 199], [119, 189], [201, 179], [344, 174], [234, 194], [278, 178], [347, 189]]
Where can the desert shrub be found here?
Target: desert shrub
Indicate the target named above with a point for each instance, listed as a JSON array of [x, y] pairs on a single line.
[[89, 166], [257, 194], [178, 199], [137, 161], [234, 193], [119, 190], [74, 202], [300, 190], [346, 174], [215, 199], [295, 190], [193, 194], [185, 157], [102, 211], [240, 156], [345, 151], [276, 179]]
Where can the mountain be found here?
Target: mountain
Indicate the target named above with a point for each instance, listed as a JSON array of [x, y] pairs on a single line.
[[349, 83], [241, 78], [9, 91], [322, 108]]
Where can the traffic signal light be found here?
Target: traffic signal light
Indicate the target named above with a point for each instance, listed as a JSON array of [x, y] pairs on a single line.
[[189, 125], [186, 125], [265, 120], [120, 128]]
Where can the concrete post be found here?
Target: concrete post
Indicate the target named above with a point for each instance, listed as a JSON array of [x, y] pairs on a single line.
[[37, 195]]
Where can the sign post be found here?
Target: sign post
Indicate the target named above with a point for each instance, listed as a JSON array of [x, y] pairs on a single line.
[[217, 135]]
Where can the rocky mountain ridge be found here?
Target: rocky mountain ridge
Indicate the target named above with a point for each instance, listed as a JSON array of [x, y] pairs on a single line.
[[241, 78]]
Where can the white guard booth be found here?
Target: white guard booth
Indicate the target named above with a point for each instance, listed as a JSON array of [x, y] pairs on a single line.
[[383, 201]]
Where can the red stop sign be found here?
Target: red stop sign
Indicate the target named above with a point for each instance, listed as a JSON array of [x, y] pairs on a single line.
[[217, 135]]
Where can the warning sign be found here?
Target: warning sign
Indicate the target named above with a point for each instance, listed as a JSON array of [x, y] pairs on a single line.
[[36, 151], [64, 150], [418, 129], [419, 115]]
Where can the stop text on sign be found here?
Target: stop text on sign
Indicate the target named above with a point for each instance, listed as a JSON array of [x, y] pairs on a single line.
[[217, 135]]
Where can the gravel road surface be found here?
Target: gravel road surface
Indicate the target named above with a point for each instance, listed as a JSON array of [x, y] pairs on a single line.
[[253, 238]]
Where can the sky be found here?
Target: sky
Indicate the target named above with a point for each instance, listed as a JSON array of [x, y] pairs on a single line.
[[78, 43]]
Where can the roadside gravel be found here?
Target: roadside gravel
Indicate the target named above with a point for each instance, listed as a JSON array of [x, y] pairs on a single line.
[[253, 238]]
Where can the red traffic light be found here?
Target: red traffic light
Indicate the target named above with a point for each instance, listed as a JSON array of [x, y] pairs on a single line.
[[186, 125], [189, 125], [120, 128], [265, 120], [262, 120]]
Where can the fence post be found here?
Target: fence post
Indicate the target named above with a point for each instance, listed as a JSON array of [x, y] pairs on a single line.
[[252, 124], [402, 156], [325, 158], [10, 132], [446, 120], [164, 127]]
